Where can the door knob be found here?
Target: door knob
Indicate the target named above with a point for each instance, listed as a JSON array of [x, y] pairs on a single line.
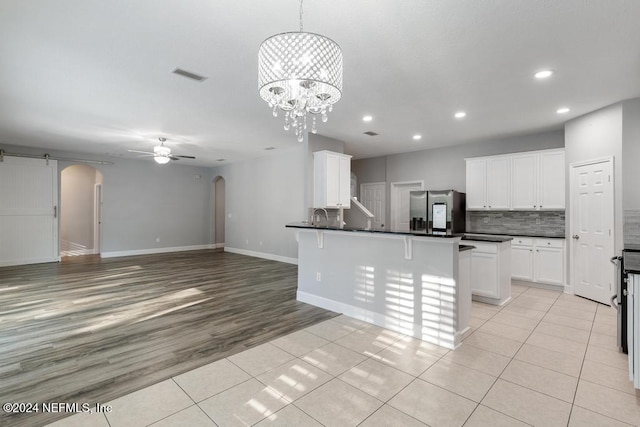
[[575, 236]]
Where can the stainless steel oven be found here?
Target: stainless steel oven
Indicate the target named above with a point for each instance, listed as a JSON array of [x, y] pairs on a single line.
[[619, 301]]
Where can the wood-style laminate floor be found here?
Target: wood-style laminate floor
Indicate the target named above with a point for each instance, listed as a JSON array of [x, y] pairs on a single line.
[[91, 329]]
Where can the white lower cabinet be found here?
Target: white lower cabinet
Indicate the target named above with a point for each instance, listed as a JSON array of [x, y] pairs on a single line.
[[522, 262], [538, 260], [490, 271], [484, 267]]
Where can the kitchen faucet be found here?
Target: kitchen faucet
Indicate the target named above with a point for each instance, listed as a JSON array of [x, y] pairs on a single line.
[[313, 215]]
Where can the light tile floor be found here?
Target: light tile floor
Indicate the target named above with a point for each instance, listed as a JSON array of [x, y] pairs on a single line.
[[544, 359]]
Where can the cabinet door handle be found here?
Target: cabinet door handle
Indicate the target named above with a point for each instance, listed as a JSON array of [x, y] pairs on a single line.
[[55, 212]]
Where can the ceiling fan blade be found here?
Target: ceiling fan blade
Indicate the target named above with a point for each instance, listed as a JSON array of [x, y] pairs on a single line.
[[186, 157], [172, 157], [142, 152]]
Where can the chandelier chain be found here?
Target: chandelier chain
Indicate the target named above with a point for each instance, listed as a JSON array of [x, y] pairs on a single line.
[[301, 15]]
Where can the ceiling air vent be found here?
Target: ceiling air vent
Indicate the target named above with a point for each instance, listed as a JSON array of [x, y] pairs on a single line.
[[270, 148], [189, 75], [370, 133]]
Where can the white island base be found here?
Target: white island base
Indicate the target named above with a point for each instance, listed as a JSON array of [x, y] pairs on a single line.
[[415, 285]]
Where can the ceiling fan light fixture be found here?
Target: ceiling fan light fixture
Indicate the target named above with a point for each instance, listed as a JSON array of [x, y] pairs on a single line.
[[162, 160], [300, 73]]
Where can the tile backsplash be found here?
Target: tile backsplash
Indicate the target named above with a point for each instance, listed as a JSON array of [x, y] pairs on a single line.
[[517, 223], [631, 227]]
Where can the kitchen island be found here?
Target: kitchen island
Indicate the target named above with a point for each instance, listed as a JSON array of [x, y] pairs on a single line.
[[415, 284]]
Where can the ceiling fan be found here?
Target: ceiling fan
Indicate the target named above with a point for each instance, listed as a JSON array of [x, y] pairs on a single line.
[[161, 154]]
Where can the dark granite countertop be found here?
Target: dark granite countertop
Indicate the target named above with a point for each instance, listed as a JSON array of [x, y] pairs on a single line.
[[631, 247], [372, 230], [462, 248], [539, 236], [486, 237], [476, 237]]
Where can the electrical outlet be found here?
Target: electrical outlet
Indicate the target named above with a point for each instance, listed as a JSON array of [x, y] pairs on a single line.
[[318, 277], [157, 240]]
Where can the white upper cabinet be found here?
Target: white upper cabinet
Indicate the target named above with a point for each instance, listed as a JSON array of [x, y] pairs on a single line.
[[524, 181], [498, 180], [332, 180], [524, 184], [552, 175], [476, 184]]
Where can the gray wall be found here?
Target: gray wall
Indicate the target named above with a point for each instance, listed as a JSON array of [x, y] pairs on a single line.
[[631, 154], [262, 196], [77, 191], [143, 201], [631, 171], [369, 170]]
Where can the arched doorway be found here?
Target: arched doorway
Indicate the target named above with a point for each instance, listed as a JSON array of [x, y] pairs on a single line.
[[80, 210], [218, 211]]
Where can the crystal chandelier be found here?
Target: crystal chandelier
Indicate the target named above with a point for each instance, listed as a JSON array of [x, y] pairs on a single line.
[[300, 73]]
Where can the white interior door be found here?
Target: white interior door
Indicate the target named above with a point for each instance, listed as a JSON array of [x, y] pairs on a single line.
[[592, 226], [400, 203], [28, 211], [374, 197]]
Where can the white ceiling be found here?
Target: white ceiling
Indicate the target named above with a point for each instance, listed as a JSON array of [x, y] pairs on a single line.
[[94, 76]]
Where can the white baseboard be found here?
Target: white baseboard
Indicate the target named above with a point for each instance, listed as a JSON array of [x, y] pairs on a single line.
[[217, 245], [12, 263], [78, 252], [151, 251], [264, 255], [417, 331]]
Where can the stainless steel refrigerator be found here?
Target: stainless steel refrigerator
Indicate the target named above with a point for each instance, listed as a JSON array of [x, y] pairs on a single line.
[[418, 211], [446, 212]]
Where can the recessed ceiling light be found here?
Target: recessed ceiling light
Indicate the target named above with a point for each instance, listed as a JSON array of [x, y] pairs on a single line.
[[417, 137], [460, 115], [367, 118], [562, 110], [543, 74]]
